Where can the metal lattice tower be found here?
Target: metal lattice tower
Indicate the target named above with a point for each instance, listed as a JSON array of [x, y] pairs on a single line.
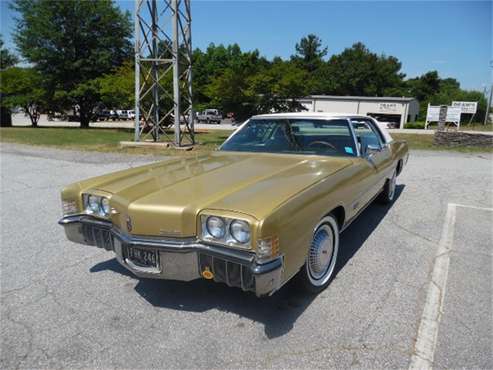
[[163, 71]]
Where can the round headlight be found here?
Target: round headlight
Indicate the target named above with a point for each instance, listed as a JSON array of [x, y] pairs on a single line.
[[93, 203], [240, 230], [105, 206], [216, 227]]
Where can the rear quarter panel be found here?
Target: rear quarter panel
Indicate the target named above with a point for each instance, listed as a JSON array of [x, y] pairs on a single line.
[[400, 151]]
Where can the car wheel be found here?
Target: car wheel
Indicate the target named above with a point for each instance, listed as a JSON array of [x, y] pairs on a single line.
[[388, 194], [318, 270]]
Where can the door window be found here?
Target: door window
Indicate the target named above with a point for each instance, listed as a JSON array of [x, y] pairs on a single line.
[[366, 135]]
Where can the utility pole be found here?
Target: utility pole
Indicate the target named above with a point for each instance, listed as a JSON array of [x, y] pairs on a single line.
[[176, 71], [163, 53], [488, 105]]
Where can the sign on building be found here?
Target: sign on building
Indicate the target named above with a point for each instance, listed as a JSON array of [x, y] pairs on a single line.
[[387, 107], [451, 114], [467, 107]]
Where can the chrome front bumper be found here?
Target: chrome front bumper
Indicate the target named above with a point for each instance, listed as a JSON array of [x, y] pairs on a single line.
[[179, 258]]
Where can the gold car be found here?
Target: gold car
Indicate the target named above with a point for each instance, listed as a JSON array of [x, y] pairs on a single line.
[[267, 206]]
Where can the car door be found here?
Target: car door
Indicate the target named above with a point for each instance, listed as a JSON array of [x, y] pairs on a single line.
[[383, 158], [375, 151]]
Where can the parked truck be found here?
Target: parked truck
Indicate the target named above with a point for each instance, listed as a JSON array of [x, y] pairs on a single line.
[[210, 116]]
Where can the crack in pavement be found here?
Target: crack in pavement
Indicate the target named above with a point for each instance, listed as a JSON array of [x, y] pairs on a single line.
[[395, 223], [30, 338], [47, 293], [32, 282]]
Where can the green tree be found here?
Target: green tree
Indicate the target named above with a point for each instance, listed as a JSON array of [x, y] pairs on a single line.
[[228, 88], [210, 65], [357, 71], [7, 59], [309, 52], [72, 43], [425, 86], [117, 89], [229, 93], [429, 88], [277, 87], [22, 87]]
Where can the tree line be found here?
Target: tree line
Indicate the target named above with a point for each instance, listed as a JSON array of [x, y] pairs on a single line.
[[79, 53]]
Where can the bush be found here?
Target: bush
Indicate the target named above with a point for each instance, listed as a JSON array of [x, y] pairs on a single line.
[[415, 125]]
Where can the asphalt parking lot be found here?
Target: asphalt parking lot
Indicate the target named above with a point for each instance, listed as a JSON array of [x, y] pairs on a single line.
[[70, 306]]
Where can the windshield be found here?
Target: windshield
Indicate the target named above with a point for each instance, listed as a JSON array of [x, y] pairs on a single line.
[[299, 136]]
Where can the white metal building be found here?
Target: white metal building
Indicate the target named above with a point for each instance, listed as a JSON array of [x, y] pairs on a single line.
[[385, 109]]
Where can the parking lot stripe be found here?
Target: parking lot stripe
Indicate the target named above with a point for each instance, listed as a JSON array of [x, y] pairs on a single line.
[[426, 340], [473, 207], [424, 350]]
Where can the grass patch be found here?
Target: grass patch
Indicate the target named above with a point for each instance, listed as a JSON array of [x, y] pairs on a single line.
[[102, 140], [66, 138], [463, 126], [107, 140], [425, 142], [477, 127]]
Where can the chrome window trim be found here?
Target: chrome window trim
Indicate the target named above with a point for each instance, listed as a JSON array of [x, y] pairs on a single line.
[[373, 127], [353, 134], [377, 132], [385, 143]]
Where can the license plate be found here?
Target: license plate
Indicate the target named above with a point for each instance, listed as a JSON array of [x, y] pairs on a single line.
[[143, 257]]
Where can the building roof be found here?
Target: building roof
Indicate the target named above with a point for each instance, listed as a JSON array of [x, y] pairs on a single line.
[[365, 98]]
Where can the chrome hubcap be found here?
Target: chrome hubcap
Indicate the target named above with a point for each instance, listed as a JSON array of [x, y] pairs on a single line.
[[321, 252]]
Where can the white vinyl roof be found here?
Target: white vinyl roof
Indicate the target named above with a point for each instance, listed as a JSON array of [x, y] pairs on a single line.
[[321, 115]]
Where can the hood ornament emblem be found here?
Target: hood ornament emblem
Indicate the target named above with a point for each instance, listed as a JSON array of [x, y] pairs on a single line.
[[129, 224]]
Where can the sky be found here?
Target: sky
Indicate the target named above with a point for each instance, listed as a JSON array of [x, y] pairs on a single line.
[[452, 37]]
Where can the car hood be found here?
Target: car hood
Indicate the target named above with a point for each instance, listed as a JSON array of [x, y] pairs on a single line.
[[165, 198]]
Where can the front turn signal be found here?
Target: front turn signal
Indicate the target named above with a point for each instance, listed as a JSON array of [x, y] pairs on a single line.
[[267, 248], [207, 273]]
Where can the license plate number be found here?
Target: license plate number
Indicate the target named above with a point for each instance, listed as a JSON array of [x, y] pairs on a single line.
[[143, 257]]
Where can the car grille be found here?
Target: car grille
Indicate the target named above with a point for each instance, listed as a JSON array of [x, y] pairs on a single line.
[[231, 273], [98, 236]]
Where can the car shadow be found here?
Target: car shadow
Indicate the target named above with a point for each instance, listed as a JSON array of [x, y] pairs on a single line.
[[353, 238], [277, 313]]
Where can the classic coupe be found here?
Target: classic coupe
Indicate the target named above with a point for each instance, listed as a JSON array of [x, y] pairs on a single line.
[[267, 206]]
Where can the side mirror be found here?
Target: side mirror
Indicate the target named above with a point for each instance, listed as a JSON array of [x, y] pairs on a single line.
[[368, 148], [372, 149]]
